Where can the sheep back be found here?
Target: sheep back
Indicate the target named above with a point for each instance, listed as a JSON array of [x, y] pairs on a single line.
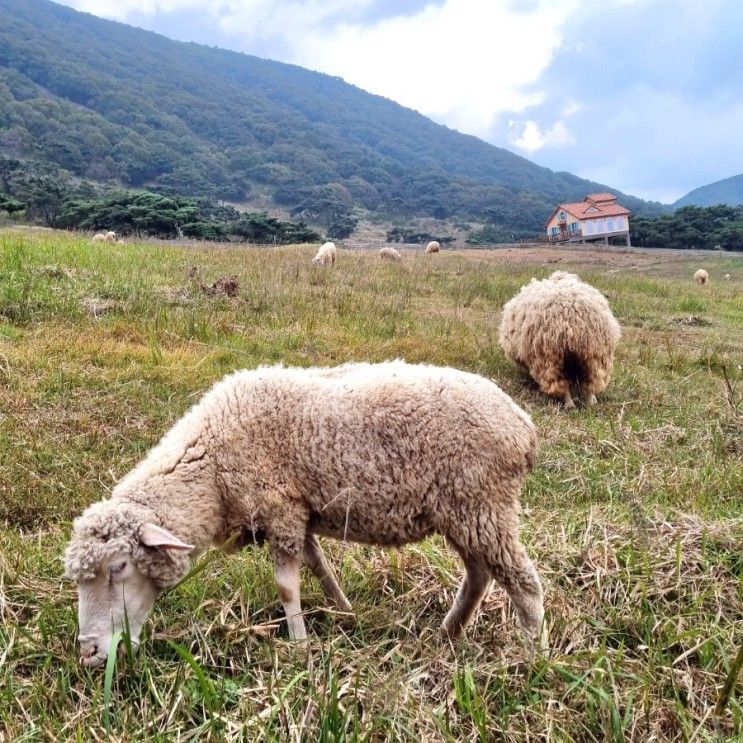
[[378, 453], [561, 331]]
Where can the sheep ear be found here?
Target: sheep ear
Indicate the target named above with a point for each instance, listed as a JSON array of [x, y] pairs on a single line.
[[153, 535]]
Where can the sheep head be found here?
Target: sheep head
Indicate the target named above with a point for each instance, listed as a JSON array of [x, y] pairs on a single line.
[[121, 561]]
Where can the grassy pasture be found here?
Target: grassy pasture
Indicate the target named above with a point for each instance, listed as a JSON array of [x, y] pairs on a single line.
[[633, 513]]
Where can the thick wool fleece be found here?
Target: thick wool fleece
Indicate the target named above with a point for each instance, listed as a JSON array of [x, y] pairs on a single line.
[[562, 332], [701, 276], [379, 453], [390, 254], [326, 254]]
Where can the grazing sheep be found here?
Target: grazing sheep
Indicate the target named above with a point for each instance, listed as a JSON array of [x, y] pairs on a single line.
[[111, 237], [727, 277], [390, 254], [701, 277], [99, 238], [563, 333], [375, 453], [326, 255], [433, 247]]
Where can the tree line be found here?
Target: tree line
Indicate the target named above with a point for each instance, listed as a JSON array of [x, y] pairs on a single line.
[[691, 227], [47, 196]]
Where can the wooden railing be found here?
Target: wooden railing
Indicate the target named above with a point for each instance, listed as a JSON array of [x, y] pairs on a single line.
[[562, 236]]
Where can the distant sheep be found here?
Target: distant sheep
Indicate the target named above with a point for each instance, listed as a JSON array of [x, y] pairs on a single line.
[[104, 237], [433, 247], [727, 277], [701, 277], [390, 254], [563, 333], [381, 454], [326, 255]]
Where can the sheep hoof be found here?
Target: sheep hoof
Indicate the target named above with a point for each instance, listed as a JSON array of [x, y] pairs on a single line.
[[591, 399]]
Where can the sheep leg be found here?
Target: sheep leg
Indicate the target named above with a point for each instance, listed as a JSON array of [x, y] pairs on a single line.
[[314, 557], [471, 591], [286, 571], [520, 579], [568, 400]]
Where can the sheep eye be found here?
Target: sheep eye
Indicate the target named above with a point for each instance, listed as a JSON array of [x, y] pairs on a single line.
[[116, 567]]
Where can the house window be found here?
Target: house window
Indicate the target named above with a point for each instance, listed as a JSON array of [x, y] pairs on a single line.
[[610, 225], [562, 216], [573, 227], [620, 223], [589, 228]]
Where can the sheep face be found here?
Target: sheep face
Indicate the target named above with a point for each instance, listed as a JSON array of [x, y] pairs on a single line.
[[118, 597], [121, 563]]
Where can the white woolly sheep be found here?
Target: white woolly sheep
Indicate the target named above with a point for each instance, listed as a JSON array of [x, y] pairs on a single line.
[[390, 254], [326, 255], [111, 236], [433, 247], [701, 277], [375, 453], [727, 277], [99, 238], [562, 332]]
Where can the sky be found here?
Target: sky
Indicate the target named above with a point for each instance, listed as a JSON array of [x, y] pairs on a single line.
[[643, 95]]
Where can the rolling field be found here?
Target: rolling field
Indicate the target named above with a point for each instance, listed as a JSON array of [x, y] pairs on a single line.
[[633, 513]]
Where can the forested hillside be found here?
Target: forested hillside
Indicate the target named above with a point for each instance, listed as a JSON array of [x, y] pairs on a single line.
[[115, 104], [728, 191]]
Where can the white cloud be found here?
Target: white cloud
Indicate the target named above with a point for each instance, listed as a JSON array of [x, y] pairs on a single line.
[[533, 138], [571, 108], [463, 62]]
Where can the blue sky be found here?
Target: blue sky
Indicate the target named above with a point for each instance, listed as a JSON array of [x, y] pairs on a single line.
[[643, 95]]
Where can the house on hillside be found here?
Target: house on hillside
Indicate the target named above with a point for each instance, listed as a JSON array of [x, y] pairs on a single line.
[[597, 217]]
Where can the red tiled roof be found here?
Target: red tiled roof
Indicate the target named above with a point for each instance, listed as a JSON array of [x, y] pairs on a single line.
[[601, 197], [606, 210], [579, 210]]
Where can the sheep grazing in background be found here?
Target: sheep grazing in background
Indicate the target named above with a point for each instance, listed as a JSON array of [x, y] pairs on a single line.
[[375, 453], [727, 277], [111, 237], [701, 277], [563, 333], [433, 247], [390, 254], [326, 255], [99, 238]]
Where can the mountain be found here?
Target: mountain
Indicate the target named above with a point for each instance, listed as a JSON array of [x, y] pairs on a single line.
[[728, 191], [116, 104]]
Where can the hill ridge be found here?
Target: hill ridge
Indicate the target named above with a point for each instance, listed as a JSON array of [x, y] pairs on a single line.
[[728, 191]]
